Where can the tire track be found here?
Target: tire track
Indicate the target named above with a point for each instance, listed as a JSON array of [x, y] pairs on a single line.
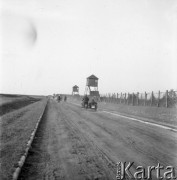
[[129, 142], [60, 151], [106, 162]]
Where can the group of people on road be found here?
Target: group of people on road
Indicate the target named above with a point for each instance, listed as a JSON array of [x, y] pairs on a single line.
[[59, 98]]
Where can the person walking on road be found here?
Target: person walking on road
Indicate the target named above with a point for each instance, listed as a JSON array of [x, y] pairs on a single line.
[[59, 98], [86, 100]]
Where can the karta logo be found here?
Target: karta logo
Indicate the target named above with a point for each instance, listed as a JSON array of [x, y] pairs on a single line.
[[141, 173]]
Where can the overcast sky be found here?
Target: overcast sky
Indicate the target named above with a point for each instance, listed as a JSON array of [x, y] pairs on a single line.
[[48, 46]]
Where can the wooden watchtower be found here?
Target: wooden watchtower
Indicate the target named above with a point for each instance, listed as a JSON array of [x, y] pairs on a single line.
[[75, 90], [91, 88]]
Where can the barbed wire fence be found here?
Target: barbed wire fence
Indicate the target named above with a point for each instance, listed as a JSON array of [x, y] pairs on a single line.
[[156, 99]]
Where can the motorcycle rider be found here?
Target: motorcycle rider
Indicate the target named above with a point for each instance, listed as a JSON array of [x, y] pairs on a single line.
[[86, 100]]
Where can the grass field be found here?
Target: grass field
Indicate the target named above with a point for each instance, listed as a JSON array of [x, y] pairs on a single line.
[[10, 102], [16, 127]]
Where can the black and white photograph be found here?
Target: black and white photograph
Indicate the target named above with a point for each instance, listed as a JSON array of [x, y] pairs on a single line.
[[88, 89]]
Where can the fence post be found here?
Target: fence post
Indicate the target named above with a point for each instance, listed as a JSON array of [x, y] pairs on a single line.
[[152, 98], [117, 97], [141, 99], [133, 99], [120, 98], [166, 98], [145, 98], [158, 101], [128, 99], [138, 98], [125, 98]]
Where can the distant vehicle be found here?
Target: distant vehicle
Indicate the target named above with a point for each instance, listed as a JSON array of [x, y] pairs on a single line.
[[89, 103], [93, 104]]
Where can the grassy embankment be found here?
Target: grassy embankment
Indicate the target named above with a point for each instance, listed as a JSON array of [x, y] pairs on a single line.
[[15, 129], [9, 102]]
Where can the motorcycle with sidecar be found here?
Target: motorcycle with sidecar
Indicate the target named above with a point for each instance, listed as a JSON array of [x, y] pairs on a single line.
[[89, 102]]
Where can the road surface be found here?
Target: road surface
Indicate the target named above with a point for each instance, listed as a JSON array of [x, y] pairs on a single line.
[[74, 143]]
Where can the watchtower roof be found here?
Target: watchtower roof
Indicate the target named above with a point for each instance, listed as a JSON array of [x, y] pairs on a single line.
[[92, 77], [75, 86]]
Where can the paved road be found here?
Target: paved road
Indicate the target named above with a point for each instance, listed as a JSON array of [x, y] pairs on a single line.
[[74, 143]]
